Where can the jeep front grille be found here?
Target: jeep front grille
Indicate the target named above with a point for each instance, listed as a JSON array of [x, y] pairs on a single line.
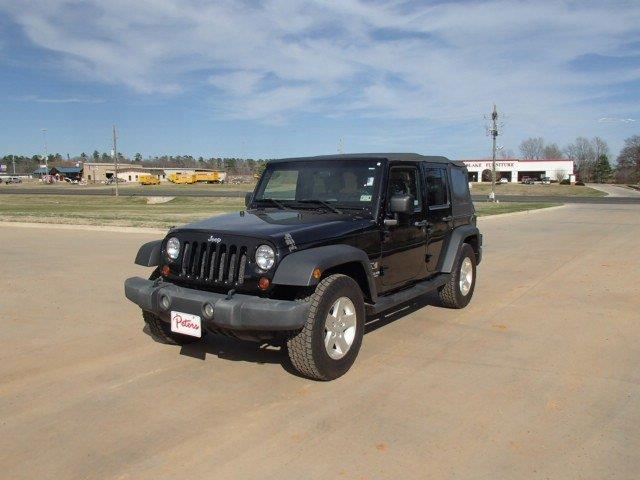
[[215, 263]]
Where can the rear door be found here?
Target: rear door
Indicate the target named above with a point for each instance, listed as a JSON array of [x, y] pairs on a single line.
[[439, 219], [403, 247]]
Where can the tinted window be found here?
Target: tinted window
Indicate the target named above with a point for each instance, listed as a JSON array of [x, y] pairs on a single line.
[[405, 181], [282, 185], [437, 187], [460, 185]]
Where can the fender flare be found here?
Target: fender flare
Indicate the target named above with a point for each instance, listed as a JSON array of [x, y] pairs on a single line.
[[149, 254], [296, 269], [456, 238]]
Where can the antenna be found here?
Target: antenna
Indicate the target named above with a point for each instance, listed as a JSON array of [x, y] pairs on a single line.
[[493, 130], [341, 146], [115, 155]]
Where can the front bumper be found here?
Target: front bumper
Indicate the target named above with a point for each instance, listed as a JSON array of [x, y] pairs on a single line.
[[239, 312]]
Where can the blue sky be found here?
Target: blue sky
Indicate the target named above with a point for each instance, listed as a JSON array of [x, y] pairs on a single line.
[[287, 77]]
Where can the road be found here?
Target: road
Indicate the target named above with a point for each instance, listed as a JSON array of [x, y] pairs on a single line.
[[615, 190], [174, 192], [538, 378]]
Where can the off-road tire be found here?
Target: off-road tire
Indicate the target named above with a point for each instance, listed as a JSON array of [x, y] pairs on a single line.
[[450, 294], [161, 331], [306, 347]]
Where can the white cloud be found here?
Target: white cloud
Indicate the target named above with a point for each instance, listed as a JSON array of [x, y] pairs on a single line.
[[62, 100], [444, 63]]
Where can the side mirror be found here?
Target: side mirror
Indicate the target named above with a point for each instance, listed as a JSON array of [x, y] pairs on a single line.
[[401, 204], [247, 198]]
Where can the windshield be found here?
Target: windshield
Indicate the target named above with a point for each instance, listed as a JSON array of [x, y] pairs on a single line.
[[310, 184]]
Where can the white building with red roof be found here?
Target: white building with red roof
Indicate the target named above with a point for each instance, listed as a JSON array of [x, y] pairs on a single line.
[[516, 170]]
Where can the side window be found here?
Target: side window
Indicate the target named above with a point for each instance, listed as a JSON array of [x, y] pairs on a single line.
[[460, 185], [406, 181], [437, 187]]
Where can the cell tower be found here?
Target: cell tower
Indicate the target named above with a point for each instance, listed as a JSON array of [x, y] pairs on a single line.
[[493, 130]]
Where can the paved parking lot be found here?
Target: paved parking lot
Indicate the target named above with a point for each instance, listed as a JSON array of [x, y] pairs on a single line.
[[537, 378]]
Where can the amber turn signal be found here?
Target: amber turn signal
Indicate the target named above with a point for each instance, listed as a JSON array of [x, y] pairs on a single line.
[[166, 270], [317, 273], [263, 283]]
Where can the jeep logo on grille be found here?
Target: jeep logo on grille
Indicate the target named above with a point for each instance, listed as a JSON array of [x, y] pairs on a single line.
[[214, 239]]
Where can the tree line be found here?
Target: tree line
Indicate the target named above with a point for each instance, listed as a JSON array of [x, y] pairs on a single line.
[[591, 158], [232, 165]]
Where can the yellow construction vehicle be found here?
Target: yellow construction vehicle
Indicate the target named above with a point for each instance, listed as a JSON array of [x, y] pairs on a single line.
[[149, 180], [182, 178], [209, 177]]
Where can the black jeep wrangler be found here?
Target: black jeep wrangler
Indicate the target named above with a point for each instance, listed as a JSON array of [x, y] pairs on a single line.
[[324, 242]]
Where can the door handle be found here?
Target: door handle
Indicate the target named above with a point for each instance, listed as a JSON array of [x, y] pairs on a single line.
[[420, 224], [448, 218]]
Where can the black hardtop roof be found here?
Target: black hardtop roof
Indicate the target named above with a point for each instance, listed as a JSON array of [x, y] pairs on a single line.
[[393, 157]]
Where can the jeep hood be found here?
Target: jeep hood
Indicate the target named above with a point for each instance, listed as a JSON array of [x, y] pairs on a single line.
[[303, 226]]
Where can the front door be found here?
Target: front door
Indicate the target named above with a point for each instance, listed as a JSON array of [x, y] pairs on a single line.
[[438, 213], [403, 246]]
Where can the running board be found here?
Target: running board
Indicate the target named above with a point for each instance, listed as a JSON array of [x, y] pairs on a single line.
[[392, 300]]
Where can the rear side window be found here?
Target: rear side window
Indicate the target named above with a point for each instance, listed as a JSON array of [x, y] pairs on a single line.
[[437, 187], [460, 185]]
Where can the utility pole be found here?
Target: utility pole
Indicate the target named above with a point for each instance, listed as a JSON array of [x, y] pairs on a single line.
[[341, 146], [115, 155], [493, 131], [46, 153]]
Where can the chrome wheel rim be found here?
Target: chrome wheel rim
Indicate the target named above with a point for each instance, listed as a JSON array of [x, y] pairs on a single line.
[[466, 276], [340, 328]]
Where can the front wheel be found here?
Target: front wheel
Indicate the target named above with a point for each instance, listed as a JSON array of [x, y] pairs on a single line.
[[328, 344], [457, 292]]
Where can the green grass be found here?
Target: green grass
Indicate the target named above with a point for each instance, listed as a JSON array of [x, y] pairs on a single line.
[[121, 211], [484, 209], [136, 212], [553, 190]]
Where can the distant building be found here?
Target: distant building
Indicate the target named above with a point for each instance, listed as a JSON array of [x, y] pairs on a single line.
[[100, 172], [516, 170], [39, 172], [72, 173]]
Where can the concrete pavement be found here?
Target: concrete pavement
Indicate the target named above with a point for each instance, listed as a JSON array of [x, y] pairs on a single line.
[[537, 378], [615, 190]]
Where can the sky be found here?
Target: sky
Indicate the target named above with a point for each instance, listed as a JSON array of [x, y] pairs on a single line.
[[265, 79]]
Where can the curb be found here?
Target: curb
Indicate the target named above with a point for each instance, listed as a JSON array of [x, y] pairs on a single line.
[[93, 228], [523, 212]]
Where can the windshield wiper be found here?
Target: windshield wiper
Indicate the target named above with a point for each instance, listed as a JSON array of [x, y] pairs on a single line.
[[326, 205], [275, 202]]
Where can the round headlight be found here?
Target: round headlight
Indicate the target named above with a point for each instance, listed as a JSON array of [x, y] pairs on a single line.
[[173, 248], [265, 257]]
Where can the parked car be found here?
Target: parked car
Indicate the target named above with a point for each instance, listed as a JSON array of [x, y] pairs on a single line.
[[9, 180], [503, 180], [323, 242], [529, 181], [545, 180]]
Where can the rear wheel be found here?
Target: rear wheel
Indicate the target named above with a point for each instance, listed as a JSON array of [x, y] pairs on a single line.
[[457, 292], [328, 344], [161, 331]]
